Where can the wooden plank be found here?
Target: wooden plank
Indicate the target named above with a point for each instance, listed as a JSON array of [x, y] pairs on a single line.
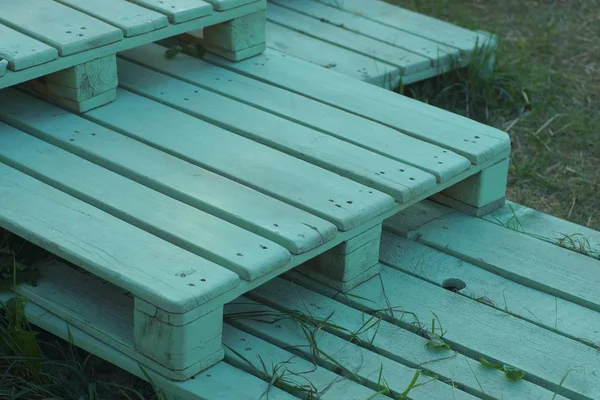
[[3, 66], [21, 51], [396, 179], [207, 385], [295, 182], [475, 141], [61, 27], [438, 53], [409, 21], [409, 63], [315, 380], [178, 11], [524, 259], [342, 125], [397, 343], [128, 43], [332, 57], [552, 313], [222, 5], [545, 227], [131, 19], [329, 351], [296, 230], [173, 221], [476, 330], [407, 221], [103, 245]]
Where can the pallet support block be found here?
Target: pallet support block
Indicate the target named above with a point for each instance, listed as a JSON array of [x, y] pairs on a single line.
[[237, 39], [479, 194], [177, 343], [82, 87], [348, 264]]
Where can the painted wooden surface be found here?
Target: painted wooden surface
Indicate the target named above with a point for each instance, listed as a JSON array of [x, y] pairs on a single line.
[[474, 141], [237, 39], [3, 66], [221, 5], [39, 59], [178, 11], [375, 42], [313, 114]]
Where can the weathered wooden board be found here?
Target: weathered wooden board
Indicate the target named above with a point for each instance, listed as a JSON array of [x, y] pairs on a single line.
[[406, 222], [178, 11], [3, 66], [399, 180], [21, 51], [110, 248], [409, 21], [304, 185], [408, 62], [296, 230], [396, 343], [553, 313], [332, 57], [537, 264], [335, 353], [182, 225], [343, 125], [437, 53], [326, 384], [130, 18], [67, 30], [475, 141], [222, 5]]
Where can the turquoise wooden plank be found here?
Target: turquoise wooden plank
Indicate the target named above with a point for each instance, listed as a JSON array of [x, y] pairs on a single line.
[[332, 57], [178, 11], [475, 141], [365, 366], [400, 344], [296, 230], [544, 226], [408, 62], [555, 314], [131, 19], [128, 43], [3, 66], [398, 180], [207, 385], [471, 328], [103, 245], [222, 5], [439, 54], [182, 225], [21, 51], [409, 21], [338, 200], [316, 381], [342, 125], [61, 27], [406, 222], [524, 259]]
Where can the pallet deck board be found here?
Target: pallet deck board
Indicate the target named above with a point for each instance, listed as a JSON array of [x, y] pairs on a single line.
[[178, 11], [22, 51]]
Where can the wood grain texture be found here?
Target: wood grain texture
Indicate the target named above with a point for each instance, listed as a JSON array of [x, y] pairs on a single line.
[[401, 181], [21, 51], [103, 245], [475, 141], [131, 19], [396, 343], [182, 225], [408, 62], [178, 11], [524, 259], [238, 34], [296, 230], [329, 120], [67, 30]]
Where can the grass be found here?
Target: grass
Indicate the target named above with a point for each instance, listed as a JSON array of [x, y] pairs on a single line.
[[545, 92]]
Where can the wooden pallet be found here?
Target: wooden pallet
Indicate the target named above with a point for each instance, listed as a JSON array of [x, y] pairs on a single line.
[[70, 53], [374, 41], [521, 317], [199, 184]]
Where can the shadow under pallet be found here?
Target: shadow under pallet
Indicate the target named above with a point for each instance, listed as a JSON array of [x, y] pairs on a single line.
[[199, 184]]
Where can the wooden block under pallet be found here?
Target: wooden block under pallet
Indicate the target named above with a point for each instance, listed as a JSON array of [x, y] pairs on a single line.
[[348, 264], [82, 87]]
